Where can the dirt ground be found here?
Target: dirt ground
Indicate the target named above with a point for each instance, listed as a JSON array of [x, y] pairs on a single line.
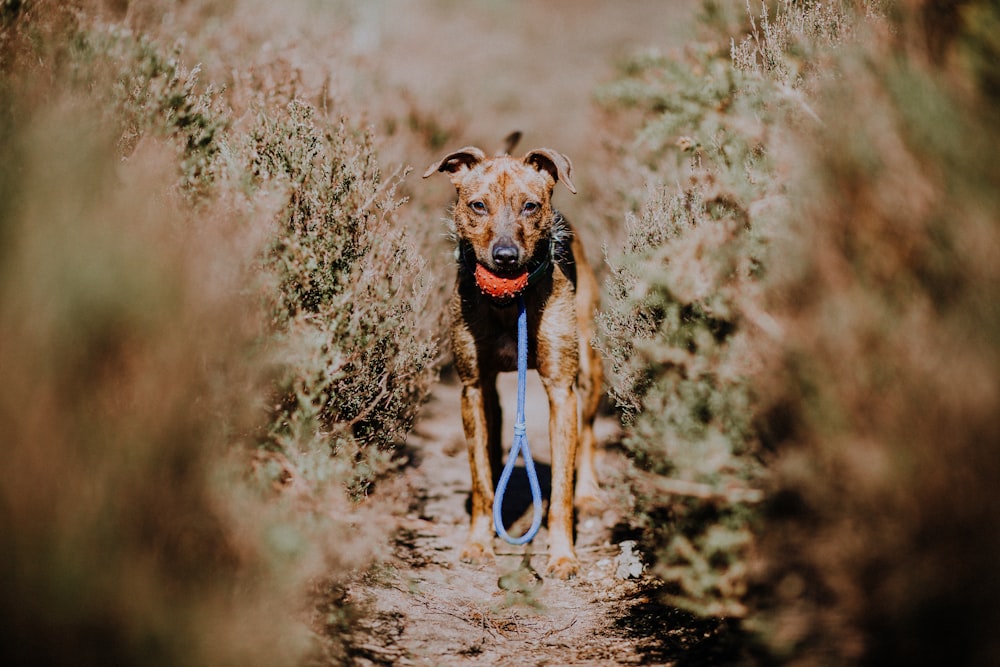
[[486, 67], [425, 607]]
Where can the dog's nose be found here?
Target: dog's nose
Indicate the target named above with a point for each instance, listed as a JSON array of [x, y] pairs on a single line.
[[505, 255]]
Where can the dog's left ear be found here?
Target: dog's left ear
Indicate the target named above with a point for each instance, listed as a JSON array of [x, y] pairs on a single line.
[[555, 163]]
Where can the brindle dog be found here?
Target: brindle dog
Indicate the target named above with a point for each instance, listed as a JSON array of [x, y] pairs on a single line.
[[511, 242]]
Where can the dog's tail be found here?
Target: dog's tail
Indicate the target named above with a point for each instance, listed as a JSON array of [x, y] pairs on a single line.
[[509, 142]]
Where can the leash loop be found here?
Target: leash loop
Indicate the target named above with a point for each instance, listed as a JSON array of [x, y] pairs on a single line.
[[520, 445]]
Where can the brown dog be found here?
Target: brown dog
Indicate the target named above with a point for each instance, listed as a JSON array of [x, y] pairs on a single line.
[[512, 242]]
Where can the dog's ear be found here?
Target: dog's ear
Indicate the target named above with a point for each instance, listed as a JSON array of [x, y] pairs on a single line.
[[555, 163], [466, 158]]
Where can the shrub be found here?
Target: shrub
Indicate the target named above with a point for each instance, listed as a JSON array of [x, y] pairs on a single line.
[[214, 335], [127, 374], [883, 398], [357, 360], [841, 347], [681, 299]]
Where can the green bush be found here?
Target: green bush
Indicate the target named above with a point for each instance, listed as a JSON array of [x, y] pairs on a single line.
[[357, 357]]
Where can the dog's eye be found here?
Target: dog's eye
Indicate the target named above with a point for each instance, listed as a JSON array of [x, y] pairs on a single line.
[[478, 207], [530, 207]]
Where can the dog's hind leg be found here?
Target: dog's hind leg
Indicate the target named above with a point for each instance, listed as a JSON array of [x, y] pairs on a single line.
[[494, 428], [590, 381], [587, 494]]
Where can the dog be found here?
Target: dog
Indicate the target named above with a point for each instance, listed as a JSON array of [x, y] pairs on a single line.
[[512, 243]]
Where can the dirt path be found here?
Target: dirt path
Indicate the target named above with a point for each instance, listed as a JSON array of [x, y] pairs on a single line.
[[428, 608]]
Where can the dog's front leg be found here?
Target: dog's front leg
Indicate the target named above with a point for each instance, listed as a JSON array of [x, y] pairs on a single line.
[[479, 408], [563, 438]]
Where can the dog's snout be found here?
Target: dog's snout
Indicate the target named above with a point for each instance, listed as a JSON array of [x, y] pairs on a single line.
[[505, 254]]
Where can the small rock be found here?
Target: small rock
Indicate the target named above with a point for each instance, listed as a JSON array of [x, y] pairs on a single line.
[[628, 562]]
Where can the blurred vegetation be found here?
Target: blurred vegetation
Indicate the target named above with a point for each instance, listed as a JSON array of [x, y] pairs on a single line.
[[881, 399], [802, 326], [682, 297], [214, 336]]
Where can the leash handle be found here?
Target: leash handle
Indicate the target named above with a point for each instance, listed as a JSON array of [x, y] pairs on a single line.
[[520, 443]]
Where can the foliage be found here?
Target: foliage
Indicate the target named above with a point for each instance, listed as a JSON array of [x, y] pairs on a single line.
[[127, 375], [883, 395], [809, 317], [681, 299], [214, 335], [357, 360]]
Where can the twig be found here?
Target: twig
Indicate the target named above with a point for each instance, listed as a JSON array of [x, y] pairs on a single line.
[[557, 631]]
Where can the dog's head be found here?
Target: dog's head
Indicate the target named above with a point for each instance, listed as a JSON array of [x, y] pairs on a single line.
[[504, 209]]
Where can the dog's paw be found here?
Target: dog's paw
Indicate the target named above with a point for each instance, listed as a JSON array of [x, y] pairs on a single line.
[[563, 567], [476, 553]]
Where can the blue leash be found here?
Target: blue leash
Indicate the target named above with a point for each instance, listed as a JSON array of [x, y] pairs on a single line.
[[520, 443]]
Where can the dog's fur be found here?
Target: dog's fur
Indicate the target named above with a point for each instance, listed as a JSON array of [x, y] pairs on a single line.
[[504, 204]]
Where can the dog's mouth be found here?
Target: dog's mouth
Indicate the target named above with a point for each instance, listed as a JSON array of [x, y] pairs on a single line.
[[506, 272], [500, 286]]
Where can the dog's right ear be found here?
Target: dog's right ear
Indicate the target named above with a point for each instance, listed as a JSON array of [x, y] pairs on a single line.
[[557, 165], [465, 158]]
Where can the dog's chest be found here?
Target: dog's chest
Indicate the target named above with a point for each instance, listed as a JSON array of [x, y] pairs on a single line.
[[505, 351], [498, 339]]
